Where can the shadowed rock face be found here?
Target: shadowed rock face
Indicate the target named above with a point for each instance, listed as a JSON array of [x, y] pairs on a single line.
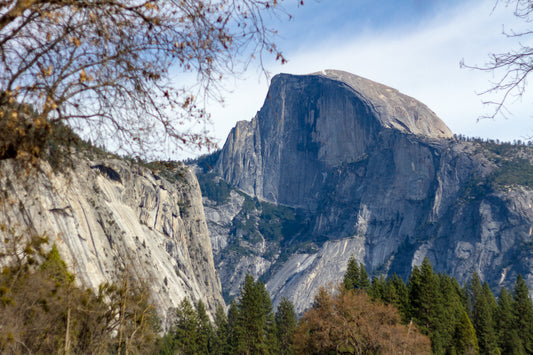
[[380, 177], [311, 124]]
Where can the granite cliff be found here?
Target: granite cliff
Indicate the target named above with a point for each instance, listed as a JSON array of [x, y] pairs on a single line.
[[334, 164], [106, 215]]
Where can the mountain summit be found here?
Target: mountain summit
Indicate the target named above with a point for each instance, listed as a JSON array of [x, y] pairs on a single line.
[[311, 123], [392, 108], [335, 165]]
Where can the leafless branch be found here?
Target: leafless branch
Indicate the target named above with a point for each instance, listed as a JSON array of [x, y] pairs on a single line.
[[119, 60]]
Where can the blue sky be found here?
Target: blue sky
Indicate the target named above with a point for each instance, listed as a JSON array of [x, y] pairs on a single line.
[[414, 46]]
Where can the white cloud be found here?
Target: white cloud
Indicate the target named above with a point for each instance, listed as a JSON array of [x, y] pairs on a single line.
[[421, 62]]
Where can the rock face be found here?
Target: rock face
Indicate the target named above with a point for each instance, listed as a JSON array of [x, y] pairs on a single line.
[[316, 123], [107, 214], [377, 175]]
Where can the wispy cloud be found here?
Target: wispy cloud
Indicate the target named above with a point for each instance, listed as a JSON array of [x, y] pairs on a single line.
[[420, 60]]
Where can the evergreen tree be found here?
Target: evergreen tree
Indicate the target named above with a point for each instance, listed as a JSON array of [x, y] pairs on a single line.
[[508, 340], [272, 344], [221, 332], [356, 276], [465, 336], [482, 309], [185, 338], [285, 325], [364, 282], [389, 292], [235, 327], [205, 329], [489, 309], [402, 297], [424, 296], [472, 291], [451, 313], [253, 322], [376, 291], [434, 305], [523, 312], [351, 277]]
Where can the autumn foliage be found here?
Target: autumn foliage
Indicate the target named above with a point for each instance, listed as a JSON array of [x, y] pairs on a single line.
[[129, 71], [43, 311], [347, 322]]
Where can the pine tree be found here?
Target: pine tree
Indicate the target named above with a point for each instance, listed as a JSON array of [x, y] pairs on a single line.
[[488, 314], [482, 309], [205, 329], [221, 332], [390, 295], [472, 291], [523, 311], [271, 340], [356, 276], [402, 297], [376, 291], [427, 307], [351, 277], [451, 312], [285, 325], [465, 336], [508, 340], [253, 322], [423, 296], [364, 282], [185, 338], [235, 327]]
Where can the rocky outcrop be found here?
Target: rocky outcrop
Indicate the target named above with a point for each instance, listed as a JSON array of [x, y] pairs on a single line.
[[311, 124], [377, 175], [108, 215]]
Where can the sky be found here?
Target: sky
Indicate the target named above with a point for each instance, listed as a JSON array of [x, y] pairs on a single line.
[[414, 46]]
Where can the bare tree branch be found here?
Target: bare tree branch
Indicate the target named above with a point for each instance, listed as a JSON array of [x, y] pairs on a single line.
[[516, 64], [109, 68]]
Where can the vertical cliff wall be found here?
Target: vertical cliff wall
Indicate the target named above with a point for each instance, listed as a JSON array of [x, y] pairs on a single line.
[[107, 214], [378, 175]]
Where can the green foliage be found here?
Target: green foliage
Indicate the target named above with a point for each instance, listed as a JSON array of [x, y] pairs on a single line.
[[523, 313], [56, 268], [254, 325], [483, 308], [356, 277], [458, 320], [172, 171], [220, 343], [465, 336], [517, 171], [513, 163], [184, 335], [507, 335], [285, 326], [248, 227], [193, 332], [213, 190], [279, 223]]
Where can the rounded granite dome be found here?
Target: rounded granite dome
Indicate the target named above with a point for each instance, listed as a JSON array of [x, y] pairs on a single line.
[[393, 109]]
